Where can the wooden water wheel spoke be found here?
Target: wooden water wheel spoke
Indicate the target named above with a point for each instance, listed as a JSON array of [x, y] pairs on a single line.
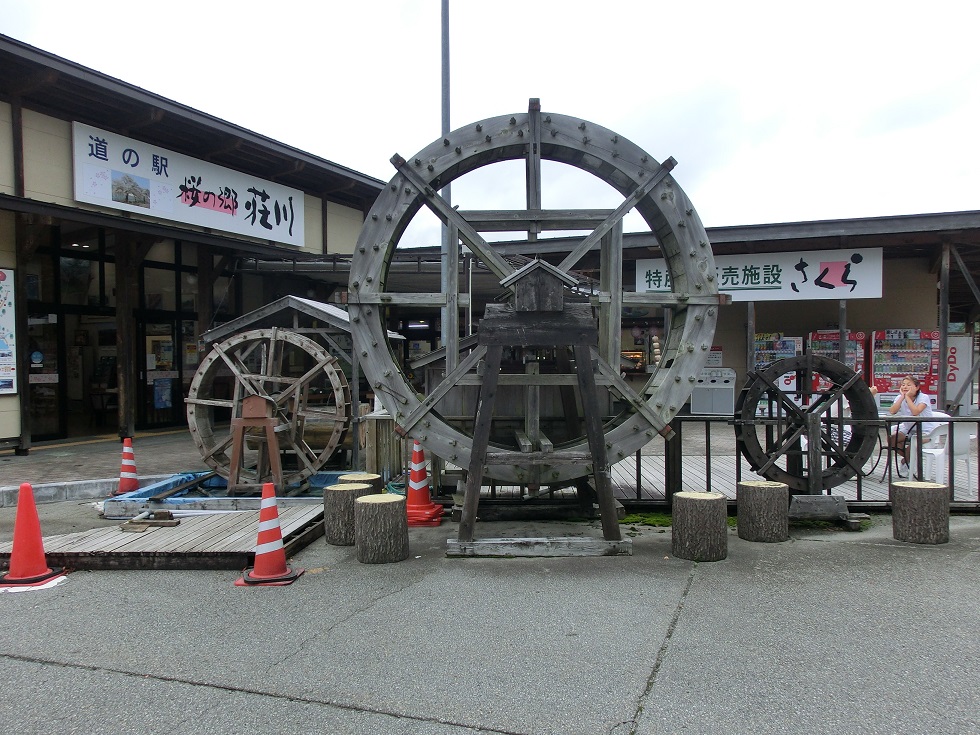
[[218, 448], [282, 367], [213, 402], [613, 219], [447, 384], [444, 211], [303, 453]]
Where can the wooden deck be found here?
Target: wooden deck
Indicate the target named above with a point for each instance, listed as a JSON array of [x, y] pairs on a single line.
[[214, 541], [723, 479]]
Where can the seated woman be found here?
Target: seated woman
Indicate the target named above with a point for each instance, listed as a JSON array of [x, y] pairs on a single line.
[[911, 402]]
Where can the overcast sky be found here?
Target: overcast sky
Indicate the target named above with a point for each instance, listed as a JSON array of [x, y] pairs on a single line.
[[775, 112]]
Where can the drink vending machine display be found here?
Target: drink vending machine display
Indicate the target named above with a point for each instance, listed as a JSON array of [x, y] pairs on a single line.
[[895, 353], [773, 346], [826, 342]]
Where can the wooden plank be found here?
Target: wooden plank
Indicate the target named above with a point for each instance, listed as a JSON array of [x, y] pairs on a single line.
[[530, 459], [515, 220], [539, 547], [525, 379]]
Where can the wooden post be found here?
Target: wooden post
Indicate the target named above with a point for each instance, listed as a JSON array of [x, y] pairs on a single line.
[[920, 512], [380, 528], [763, 511], [700, 526], [338, 511]]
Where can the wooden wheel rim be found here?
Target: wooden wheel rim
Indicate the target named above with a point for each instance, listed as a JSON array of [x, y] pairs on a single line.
[[591, 148]]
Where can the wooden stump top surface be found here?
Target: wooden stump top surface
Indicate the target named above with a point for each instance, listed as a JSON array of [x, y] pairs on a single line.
[[763, 483], [699, 496], [380, 498], [349, 486], [917, 485], [351, 477]]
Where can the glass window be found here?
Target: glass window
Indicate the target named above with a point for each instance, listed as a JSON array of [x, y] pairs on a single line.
[[162, 252], [224, 296], [79, 281], [159, 289], [188, 292], [110, 284], [39, 279]]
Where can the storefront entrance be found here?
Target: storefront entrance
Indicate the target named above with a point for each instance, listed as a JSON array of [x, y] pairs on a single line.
[[159, 399]]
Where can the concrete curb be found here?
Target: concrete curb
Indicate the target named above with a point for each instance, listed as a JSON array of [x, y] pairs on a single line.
[[57, 492]]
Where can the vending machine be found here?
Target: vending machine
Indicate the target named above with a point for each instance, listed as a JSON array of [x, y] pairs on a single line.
[[773, 346], [826, 342], [895, 353]]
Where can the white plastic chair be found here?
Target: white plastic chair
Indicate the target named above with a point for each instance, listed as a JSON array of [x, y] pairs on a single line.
[[935, 453]]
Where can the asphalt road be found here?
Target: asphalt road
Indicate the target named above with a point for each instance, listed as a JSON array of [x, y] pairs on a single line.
[[830, 632]]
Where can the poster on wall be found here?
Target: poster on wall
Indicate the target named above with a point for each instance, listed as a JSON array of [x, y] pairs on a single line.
[[8, 346], [132, 176]]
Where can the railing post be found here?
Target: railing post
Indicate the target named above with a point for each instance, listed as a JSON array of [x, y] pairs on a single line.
[[673, 457]]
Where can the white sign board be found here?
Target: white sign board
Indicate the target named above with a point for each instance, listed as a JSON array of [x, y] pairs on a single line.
[[132, 176], [8, 342], [795, 276]]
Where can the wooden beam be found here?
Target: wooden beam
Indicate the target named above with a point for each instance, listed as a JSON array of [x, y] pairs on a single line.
[[621, 211], [442, 209]]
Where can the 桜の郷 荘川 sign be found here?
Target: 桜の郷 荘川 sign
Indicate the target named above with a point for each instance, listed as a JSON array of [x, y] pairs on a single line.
[[133, 176]]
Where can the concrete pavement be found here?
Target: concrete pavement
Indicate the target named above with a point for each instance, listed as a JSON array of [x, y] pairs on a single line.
[[830, 632]]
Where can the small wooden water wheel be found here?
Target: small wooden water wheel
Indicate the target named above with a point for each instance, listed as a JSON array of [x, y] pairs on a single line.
[[530, 446], [308, 393], [809, 422]]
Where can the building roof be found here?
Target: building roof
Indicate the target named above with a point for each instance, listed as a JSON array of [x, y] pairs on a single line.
[[63, 89]]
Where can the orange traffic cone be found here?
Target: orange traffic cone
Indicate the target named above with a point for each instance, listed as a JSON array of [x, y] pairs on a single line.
[[419, 506], [270, 568], [27, 563], [128, 482]]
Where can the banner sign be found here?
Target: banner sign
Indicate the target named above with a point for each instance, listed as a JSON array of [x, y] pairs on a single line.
[[132, 176], [794, 276], [8, 344]]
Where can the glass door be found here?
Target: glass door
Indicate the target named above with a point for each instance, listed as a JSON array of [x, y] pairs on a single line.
[[45, 386], [159, 394]]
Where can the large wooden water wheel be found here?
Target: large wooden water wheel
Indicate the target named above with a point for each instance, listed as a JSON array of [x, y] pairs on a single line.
[[528, 454], [304, 386]]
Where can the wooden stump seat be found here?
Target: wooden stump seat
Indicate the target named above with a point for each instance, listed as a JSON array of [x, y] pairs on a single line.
[[920, 512], [700, 526], [380, 528], [763, 511], [370, 478], [338, 511]]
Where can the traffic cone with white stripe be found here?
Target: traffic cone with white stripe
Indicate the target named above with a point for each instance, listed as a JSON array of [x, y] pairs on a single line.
[[418, 504], [128, 481], [270, 568], [28, 565]]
